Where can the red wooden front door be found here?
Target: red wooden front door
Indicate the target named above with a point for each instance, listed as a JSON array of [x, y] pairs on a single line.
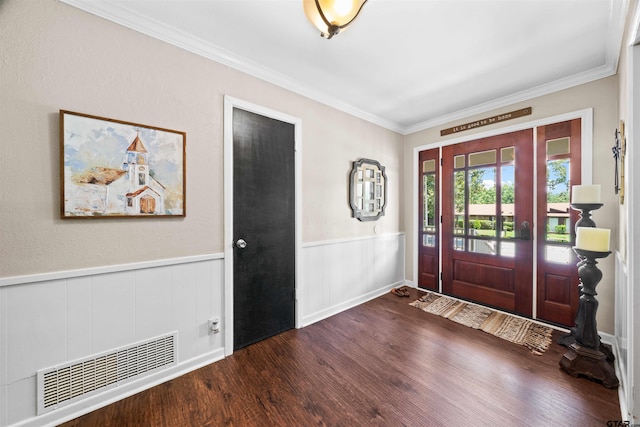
[[487, 218]]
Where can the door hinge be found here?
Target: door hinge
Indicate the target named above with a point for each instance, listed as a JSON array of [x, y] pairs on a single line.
[[440, 219], [441, 162]]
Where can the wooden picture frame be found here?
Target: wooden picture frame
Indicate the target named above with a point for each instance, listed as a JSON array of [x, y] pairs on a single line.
[[117, 169]]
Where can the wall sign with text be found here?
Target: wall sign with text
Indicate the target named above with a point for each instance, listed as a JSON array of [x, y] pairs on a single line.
[[488, 121]]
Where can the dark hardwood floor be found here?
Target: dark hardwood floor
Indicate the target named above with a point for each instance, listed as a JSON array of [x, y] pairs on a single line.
[[382, 363]]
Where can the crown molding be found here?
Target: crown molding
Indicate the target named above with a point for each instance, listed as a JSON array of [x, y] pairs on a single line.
[[617, 17], [133, 20], [525, 95]]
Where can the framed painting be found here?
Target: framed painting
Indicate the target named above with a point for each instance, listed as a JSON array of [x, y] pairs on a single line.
[[114, 169]]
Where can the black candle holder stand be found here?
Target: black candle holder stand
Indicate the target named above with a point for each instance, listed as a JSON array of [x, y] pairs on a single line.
[[585, 213], [584, 221], [585, 356]]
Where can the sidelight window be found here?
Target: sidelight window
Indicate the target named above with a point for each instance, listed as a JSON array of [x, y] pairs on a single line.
[[558, 216], [429, 201]]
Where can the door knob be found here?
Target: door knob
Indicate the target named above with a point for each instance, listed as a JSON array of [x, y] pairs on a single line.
[[241, 244], [525, 231]]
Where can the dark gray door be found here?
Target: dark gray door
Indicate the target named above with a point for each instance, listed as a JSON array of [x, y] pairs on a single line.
[[263, 227]]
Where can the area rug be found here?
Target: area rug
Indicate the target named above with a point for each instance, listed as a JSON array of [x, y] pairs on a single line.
[[514, 329]]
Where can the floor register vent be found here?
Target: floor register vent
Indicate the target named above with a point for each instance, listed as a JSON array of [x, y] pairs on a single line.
[[64, 384]]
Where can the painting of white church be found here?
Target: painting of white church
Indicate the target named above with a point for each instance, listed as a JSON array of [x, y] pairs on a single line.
[[113, 168]]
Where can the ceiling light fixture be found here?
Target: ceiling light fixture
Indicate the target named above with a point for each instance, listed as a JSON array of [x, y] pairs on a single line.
[[332, 16]]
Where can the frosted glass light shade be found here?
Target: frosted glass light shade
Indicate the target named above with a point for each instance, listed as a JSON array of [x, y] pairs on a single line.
[[332, 16]]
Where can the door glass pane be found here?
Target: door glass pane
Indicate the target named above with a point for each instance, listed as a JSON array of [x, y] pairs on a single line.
[[479, 246], [429, 197], [483, 204], [459, 200], [508, 249], [429, 209], [429, 166], [482, 158], [507, 154], [428, 240], [507, 199], [558, 254], [482, 201], [558, 146], [558, 217]]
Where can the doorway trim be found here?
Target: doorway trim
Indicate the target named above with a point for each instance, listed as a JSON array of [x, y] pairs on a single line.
[[631, 399], [586, 117], [229, 104]]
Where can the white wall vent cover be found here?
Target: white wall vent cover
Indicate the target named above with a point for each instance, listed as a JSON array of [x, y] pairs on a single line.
[[64, 384]]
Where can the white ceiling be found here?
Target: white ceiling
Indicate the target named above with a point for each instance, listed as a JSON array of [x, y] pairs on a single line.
[[404, 64]]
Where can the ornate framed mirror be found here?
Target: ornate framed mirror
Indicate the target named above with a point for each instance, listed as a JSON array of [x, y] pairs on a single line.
[[367, 190]]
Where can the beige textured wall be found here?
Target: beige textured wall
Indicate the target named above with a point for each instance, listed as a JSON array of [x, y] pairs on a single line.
[[53, 56], [602, 96]]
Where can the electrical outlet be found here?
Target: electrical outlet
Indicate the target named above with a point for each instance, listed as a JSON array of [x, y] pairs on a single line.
[[214, 326]]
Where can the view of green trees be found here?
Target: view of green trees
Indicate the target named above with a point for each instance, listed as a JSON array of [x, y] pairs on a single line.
[[482, 188], [558, 181], [429, 189], [480, 192]]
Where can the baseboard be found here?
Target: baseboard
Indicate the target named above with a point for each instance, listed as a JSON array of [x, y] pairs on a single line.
[[338, 308], [619, 369], [113, 395]]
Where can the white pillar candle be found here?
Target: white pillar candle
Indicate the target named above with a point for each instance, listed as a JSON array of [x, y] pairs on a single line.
[[586, 194], [593, 239]]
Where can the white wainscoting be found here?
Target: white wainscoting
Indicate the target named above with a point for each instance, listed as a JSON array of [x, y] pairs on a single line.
[[621, 339], [52, 319], [341, 274], [48, 320]]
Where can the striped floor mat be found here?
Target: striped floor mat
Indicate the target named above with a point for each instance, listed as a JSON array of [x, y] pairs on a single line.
[[517, 330]]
